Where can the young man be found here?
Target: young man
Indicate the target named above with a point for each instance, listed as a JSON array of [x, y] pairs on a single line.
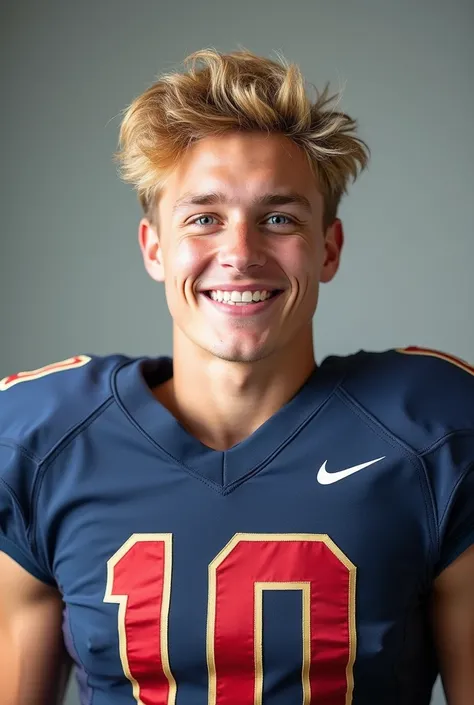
[[238, 526]]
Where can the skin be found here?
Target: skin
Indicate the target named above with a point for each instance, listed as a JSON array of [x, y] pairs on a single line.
[[232, 373], [34, 667], [453, 625]]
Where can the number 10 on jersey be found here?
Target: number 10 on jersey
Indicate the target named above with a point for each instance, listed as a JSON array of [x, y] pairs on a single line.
[[139, 580]]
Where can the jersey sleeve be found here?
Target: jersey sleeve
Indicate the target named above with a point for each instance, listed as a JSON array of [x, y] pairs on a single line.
[[457, 526], [17, 481], [40, 410], [438, 421]]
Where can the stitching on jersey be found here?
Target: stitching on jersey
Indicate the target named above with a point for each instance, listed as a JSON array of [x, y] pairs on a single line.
[[31, 559], [212, 485], [395, 441], [453, 491], [74, 431], [434, 448], [29, 534], [53, 454], [26, 524], [39, 572], [151, 440], [13, 494], [447, 508], [280, 448], [198, 476], [229, 488], [440, 441], [11, 443]]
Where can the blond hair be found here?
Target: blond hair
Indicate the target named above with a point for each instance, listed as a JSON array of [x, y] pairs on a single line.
[[239, 91]]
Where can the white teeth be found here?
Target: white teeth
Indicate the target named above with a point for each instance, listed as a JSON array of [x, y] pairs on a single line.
[[238, 298]]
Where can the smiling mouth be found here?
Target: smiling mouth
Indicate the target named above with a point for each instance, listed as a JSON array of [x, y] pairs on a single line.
[[242, 298]]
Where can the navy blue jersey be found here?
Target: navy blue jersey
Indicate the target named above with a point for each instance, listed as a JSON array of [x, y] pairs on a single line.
[[295, 567]]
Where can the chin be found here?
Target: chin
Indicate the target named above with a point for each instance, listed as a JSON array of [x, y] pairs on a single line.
[[229, 354]]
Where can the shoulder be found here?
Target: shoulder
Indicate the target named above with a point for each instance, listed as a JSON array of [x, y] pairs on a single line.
[[39, 407], [419, 393]]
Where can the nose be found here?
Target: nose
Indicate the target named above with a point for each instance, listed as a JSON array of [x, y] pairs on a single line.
[[241, 248]]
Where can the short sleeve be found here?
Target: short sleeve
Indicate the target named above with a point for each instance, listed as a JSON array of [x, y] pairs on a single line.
[[17, 475], [458, 533]]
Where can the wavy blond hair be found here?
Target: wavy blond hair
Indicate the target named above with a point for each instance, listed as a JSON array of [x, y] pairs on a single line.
[[240, 91]]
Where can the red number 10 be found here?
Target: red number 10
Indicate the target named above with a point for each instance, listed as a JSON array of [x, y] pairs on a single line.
[[139, 580]]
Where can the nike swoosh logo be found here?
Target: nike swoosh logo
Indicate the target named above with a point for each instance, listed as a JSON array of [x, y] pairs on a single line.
[[327, 478]]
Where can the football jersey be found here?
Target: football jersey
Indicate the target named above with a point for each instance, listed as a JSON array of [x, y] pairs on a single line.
[[294, 568]]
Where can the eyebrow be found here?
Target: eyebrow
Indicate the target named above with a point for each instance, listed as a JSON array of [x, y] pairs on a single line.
[[268, 199]]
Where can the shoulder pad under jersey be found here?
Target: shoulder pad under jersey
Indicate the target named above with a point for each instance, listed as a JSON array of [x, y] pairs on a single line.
[[39, 407], [421, 395]]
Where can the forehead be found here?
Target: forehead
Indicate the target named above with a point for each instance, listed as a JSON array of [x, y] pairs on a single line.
[[243, 165]]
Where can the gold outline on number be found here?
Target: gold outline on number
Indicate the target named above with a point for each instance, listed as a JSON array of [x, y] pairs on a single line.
[[211, 612], [305, 588], [121, 600]]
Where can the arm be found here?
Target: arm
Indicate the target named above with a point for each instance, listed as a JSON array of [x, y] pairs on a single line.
[[453, 623], [34, 666]]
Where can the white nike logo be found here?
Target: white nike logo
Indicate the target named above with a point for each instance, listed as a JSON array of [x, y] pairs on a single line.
[[327, 478]]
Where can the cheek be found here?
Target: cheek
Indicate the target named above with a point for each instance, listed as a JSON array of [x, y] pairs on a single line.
[[188, 260], [299, 258]]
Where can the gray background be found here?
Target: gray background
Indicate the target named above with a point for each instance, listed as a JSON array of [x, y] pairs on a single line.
[[71, 276]]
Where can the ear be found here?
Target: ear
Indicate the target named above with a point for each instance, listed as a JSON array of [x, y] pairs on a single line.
[[151, 250], [333, 244]]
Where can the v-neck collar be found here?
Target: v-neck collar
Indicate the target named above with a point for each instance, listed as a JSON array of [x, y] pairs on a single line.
[[222, 469]]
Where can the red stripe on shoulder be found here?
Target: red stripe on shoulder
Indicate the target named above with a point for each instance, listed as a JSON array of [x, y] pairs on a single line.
[[69, 364], [415, 350]]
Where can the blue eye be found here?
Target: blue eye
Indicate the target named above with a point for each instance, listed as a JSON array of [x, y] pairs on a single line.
[[280, 215], [201, 217], [205, 216]]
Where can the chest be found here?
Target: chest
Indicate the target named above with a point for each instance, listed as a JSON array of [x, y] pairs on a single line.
[[317, 557]]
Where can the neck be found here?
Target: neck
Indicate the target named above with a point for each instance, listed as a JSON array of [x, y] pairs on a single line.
[[221, 403]]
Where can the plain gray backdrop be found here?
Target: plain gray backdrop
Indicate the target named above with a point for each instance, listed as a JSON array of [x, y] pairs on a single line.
[[71, 276]]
